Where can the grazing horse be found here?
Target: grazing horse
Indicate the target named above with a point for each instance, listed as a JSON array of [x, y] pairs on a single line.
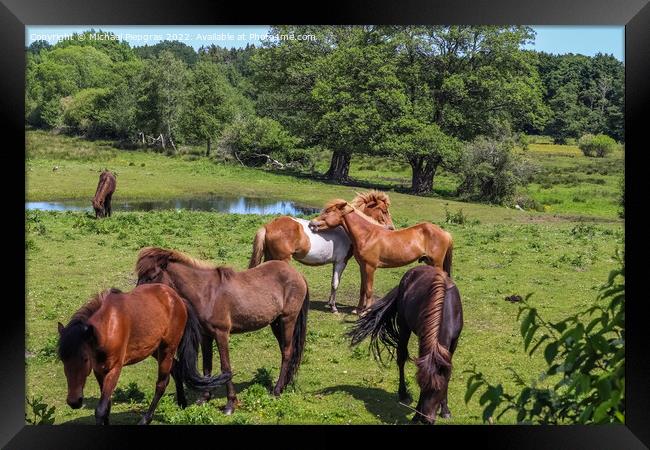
[[427, 303], [104, 194], [375, 247], [116, 329], [287, 237], [226, 302]]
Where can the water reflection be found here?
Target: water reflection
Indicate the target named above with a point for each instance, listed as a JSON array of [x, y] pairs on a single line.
[[234, 205]]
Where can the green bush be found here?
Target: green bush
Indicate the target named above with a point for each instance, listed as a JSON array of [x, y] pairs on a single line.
[[42, 413], [255, 141], [598, 146], [489, 170], [585, 353]]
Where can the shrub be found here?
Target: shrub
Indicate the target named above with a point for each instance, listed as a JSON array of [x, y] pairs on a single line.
[[42, 413], [489, 170], [256, 141], [598, 146], [586, 351]]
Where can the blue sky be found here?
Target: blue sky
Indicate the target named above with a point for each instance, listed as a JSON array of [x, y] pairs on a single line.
[[586, 40]]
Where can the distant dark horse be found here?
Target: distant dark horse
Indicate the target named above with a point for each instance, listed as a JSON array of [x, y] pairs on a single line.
[[104, 194], [427, 303], [116, 329]]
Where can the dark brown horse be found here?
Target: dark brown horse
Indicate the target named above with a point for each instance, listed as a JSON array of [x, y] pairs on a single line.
[[288, 237], [427, 303], [116, 329], [376, 247], [104, 194], [226, 302]]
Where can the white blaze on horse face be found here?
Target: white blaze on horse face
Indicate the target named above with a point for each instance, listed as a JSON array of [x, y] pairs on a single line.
[[325, 246]]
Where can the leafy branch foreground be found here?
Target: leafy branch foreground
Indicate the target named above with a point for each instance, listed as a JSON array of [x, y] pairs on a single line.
[[586, 351]]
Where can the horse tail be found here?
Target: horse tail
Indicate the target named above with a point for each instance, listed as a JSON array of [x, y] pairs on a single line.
[[298, 340], [380, 323], [446, 264], [258, 248], [187, 354], [434, 362]]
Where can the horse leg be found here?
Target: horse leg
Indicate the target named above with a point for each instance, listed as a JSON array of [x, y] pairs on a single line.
[[109, 383], [177, 375], [444, 409], [337, 271], [206, 355], [224, 360], [402, 356], [276, 327], [288, 325], [109, 208], [362, 289], [165, 362], [369, 281]]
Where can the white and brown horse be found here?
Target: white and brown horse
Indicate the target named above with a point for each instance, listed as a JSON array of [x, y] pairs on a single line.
[[289, 237]]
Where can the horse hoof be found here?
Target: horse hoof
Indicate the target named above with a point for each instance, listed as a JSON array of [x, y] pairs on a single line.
[[228, 410], [446, 415], [354, 311], [406, 399]]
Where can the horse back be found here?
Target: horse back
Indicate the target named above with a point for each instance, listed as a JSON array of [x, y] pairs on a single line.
[[285, 238], [131, 326]]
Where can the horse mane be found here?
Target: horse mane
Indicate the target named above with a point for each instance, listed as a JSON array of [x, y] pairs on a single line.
[[336, 201], [72, 336], [151, 256], [368, 197], [435, 360]]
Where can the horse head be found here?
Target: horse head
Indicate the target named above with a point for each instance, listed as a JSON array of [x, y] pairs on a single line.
[[332, 215], [152, 266], [75, 353]]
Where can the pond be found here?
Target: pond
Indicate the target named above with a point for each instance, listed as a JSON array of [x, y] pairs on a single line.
[[234, 205]]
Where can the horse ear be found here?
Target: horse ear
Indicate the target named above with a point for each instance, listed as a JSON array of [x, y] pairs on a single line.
[[60, 326]]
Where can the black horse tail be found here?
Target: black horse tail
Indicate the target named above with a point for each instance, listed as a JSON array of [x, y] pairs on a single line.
[[446, 264], [380, 323], [187, 354], [298, 340], [434, 361]]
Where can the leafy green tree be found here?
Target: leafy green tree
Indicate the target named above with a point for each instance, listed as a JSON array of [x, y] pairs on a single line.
[[357, 93], [425, 147], [585, 95], [105, 42], [180, 50], [285, 72], [211, 104], [162, 97], [586, 351]]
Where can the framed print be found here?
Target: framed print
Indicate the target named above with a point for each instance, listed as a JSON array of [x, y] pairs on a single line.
[[425, 218]]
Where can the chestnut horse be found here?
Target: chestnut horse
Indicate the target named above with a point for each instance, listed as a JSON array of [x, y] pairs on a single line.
[[287, 237], [104, 194], [116, 329], [375, 247], [226, 302], [427, 303]]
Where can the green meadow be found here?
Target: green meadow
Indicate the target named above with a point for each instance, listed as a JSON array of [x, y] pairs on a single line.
[[561, 255]]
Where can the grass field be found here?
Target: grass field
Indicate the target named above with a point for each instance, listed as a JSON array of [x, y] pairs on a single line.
[[562, 256]]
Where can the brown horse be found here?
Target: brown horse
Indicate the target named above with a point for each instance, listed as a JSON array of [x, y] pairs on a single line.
[[375, 247], [104, 194], [427, 303], [287, 237], [226, 301], [116, 329]]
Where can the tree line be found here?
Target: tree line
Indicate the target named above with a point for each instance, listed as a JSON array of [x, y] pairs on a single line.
[[433, 96]]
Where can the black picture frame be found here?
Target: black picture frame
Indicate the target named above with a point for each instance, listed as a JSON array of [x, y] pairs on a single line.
[[16, 14]]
